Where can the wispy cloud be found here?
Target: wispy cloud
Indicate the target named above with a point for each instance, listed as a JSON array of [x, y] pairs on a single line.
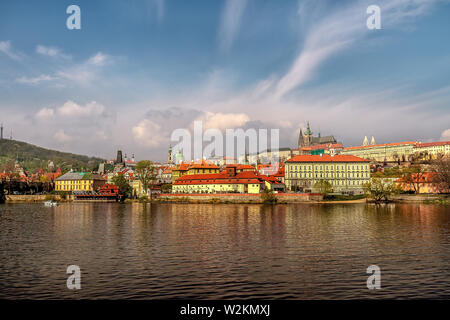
[[35, 80], [339, 30], [51, 52], [6, 48], [231, 22]]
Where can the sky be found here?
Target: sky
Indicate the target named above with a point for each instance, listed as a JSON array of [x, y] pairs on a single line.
[[138, 70]]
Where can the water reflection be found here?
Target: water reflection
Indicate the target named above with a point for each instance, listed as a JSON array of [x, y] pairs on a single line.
[[224, 251]]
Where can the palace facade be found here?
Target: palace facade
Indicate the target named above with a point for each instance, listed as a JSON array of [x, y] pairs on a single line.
[[346, 174]]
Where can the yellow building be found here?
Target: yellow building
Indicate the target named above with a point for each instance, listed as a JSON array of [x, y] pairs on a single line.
[[432, 150], [195, 167], [79, 181], [383, 152], [228, 181], [346, 174]]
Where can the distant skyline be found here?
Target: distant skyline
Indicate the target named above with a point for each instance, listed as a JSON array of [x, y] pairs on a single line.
[[137, 70]]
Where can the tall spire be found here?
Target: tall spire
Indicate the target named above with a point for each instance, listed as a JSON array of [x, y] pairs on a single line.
[[372, 142], [366, 141], [301, 141], [308, 129]]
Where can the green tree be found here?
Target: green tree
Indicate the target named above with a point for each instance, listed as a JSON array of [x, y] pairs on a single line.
[[124, 186], [268, 196], [379, 189], [146, 174], [324, 187]]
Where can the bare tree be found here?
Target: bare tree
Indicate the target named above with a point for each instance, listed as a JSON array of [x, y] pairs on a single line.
[[441, 167], [414, 176]]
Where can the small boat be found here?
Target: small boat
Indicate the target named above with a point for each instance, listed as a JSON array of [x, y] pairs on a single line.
[[50, 203]]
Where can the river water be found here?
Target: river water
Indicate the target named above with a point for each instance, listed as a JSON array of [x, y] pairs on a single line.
[[224, 251]]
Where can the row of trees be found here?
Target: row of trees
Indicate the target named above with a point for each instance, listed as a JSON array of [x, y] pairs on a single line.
[[145, 171]]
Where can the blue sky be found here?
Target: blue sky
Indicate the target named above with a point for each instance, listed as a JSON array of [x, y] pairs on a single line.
[[137, 70]]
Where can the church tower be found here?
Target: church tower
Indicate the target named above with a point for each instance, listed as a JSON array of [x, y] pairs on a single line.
[[308, 136], [301, 141], [169, 156]]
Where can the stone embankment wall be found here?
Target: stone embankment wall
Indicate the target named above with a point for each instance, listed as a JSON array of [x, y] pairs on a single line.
[[31, 198], [239, 198]]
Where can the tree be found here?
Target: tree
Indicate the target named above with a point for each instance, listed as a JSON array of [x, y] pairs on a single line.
[[379, 189], [414, 176], [441, 167], [268, 196], [324, 186], [124, 186], [146, 174]]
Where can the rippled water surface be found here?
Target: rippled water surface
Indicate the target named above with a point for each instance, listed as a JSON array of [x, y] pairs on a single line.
[[224, 251]]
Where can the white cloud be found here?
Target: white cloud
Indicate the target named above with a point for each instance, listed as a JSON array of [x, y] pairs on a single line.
[[62, 137], [45, 113], [5, 47], [445, 136], [51, 52], [35, 80], [99, 59], [70, 109], [231, 22], [85, 73], [223, 121], [149, 133], [73, 110]]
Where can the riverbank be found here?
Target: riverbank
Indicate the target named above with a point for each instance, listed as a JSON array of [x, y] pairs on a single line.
[[282, 198]]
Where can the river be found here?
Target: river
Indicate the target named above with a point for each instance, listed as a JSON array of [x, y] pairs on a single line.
[[224, 251]]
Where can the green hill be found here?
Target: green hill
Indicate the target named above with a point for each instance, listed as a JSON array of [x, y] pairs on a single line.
[[32, 157]]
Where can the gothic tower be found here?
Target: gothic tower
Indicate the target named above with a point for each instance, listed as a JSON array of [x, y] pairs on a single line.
[[301, 141], [169, 156], [308, 136], [119, 157]]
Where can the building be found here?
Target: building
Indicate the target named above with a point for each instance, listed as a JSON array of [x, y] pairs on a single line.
[[424, 184], [79, 181], [432, 150], [194, 167], [307, 139], [400, 151], [346, 174], [227, 181]]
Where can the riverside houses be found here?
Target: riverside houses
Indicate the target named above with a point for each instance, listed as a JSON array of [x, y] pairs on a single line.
[[346, 174], [79, 181], [227, 181]]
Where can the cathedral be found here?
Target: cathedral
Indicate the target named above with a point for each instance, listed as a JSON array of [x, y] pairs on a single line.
[[308, 140]]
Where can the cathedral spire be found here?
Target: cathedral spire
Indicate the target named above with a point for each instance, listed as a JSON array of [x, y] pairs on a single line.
[[301, 140]]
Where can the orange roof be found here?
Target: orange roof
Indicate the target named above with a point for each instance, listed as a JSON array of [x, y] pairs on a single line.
[[432, 144], [396, 144], [426, 177], [217, 178], [326, 158]]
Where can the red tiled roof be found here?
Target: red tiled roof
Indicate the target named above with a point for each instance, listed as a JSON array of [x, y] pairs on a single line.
[[382, 145], [217, 178], [432, 144], [326, 158], [426, 177]]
